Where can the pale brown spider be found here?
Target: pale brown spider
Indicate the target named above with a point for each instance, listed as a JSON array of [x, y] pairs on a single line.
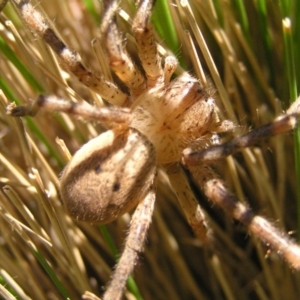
[[164, 123]]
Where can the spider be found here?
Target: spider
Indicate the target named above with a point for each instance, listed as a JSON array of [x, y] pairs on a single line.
[[162, 123]]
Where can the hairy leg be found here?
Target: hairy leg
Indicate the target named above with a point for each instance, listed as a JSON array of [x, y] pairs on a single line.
[[216, 191], [135, 241]]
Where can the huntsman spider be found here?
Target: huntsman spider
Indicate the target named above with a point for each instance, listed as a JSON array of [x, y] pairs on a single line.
[[164, 123]]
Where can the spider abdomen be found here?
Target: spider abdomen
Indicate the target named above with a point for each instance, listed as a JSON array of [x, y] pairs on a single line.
[[108, 176]]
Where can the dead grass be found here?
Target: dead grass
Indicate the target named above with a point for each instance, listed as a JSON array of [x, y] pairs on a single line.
[[45, 255]]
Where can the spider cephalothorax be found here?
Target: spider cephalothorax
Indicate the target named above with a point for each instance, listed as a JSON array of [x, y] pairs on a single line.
[[165, 124], [174, 115]]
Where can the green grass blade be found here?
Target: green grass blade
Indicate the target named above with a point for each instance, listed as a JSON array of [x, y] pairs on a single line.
[[242, 15], [166, 29], [289, 56], [11, 56], [52, 275], [89, 4]]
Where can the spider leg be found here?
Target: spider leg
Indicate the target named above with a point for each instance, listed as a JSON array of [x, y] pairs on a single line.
[[52, 103], [70, 59], [280, 125], [146, 44], [119, 60], [191, 208], [215, 189], [135, 241]]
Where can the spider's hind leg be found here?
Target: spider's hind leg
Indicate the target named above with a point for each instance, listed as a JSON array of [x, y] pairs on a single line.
[[107, 116], [135, 241]]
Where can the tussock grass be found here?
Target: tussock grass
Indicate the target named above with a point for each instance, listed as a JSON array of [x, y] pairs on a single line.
[[248, 56]]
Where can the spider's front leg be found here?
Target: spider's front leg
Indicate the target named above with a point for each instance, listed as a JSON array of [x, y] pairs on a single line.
[[119, 59], [146, 43], [215, 189], [280, 125]]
